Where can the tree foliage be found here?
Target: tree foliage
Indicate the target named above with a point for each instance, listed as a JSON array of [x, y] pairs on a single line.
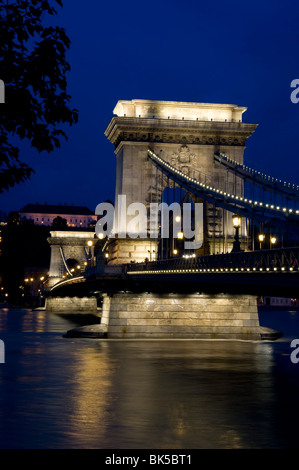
[[59, 223], [24, 245], [33, 66]]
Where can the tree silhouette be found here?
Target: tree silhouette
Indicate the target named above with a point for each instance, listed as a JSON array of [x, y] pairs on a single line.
[[59, 223], [33, 68]]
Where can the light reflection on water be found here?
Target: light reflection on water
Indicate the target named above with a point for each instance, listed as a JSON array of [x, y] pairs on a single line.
[[86, 393]]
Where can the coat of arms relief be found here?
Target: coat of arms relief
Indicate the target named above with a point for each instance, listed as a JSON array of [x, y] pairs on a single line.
[[183, 160]]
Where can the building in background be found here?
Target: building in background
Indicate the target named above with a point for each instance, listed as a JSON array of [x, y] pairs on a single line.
[[280, 302], [45, 214]]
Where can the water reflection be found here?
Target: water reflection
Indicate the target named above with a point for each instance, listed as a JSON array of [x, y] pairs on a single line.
[[91, 397], [85, 393], [190, 394]]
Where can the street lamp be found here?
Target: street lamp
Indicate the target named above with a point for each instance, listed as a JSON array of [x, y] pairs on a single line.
[[89, 243], [180, 236], [261, 239], [237, 225], [273, 240]]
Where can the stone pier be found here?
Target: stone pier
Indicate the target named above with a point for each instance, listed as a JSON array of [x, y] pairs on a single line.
[[195, 316], [71, 305]]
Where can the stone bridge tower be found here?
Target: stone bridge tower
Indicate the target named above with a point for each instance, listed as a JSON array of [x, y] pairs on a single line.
[[69, 253], [187, 135]]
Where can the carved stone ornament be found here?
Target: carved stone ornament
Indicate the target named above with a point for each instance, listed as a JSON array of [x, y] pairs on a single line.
[[183, 159]]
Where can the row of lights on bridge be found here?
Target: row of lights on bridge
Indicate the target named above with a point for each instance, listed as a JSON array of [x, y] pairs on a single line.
[[73, 270], [211, 188], [180, 236], [210, 270], [31, 279], [236, 224], [251, 170], [261, 236]]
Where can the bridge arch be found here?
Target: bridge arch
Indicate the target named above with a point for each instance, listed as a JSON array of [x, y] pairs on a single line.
[[69, 253]]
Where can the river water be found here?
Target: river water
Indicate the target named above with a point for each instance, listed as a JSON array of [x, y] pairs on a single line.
[[67, 393]]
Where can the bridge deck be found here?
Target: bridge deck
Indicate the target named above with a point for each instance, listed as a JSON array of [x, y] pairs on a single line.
[[264, 272]]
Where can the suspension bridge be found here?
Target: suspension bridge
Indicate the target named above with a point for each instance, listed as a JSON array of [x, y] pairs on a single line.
[[155, 288]]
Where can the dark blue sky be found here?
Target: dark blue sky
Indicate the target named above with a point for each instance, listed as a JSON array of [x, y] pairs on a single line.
[[243, 53]]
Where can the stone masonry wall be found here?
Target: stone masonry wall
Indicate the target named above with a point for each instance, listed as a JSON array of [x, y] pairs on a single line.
[[181, 316], [71, 304]]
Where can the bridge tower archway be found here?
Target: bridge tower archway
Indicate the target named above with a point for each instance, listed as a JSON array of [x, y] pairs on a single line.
[[69, 253]]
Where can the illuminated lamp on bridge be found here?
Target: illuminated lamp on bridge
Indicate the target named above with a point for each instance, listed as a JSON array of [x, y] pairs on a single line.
[[89, 243], [273, 240], [261, 239], [237, 225]]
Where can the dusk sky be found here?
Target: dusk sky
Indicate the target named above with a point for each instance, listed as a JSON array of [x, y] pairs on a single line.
[[243, 53]]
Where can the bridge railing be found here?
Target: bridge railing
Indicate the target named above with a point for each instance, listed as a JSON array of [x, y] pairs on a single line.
[[265, 259]]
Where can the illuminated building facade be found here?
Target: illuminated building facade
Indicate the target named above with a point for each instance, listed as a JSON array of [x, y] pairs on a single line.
[[45, 214]]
